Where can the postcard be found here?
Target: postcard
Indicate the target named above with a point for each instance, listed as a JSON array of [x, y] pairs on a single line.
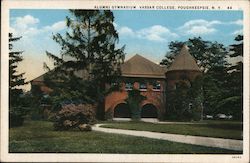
[[125, 81]]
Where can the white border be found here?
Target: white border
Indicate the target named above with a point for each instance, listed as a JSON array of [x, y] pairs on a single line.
[[88, 4]]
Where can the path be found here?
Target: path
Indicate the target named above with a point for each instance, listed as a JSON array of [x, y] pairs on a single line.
[[195, 140], [155, 120]]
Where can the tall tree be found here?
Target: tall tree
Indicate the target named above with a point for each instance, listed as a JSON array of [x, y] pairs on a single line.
[[208, 54], [174, 49], [232, 102], [211, 58], [15, 79], [89, 46]]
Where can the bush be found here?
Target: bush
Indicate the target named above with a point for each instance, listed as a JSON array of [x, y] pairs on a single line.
[[75, 116], [16, 116], [109, 114], [15, 120], [134, 99]]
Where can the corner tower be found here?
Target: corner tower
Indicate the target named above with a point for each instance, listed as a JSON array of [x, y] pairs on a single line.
[[183, 68]]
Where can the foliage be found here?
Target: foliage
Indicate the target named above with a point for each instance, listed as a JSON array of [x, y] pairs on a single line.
[[15, 79], [109, 114], [222, 83], [87, 48], [114, 87], [134, 99], [16, 110], [223, 88], [72, 89], [208, 54], [21, 111], [233, 100], [184, 103], [72, 116], [175, 48], [17, 115]]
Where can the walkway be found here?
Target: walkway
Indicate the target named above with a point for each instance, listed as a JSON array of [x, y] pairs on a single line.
[[196, 140], [155, 120]]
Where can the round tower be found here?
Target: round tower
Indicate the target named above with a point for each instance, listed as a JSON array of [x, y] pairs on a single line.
[[184, 68]]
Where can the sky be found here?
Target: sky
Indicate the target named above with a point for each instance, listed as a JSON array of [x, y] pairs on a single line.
[[144, 32]]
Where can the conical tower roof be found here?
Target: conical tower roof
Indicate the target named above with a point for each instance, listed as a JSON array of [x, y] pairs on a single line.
[[184, 61], [138, 66]]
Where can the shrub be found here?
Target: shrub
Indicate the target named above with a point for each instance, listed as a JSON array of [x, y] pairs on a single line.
[[16, 116], [109, 114], [134, 99], [75, 116]]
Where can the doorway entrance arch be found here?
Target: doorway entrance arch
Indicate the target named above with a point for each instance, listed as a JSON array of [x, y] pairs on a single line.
[[122, 111], [149, 111]]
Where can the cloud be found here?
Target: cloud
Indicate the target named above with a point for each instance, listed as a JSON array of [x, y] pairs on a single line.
[[24, 26], [155, 33], [200, 30], [126, 31], [237, 22], [199, 27], [27, 26], [58, 26], [24, 22], [237, 32], [204, 27]]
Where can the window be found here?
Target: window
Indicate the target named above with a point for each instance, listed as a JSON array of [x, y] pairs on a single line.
[[143, 86], [128, 86], [157, 86]]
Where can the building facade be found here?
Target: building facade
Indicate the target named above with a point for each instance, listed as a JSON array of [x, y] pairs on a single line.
[[151, 79]]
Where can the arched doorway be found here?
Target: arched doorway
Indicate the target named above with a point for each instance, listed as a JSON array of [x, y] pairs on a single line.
[[122, 111], [149, 111]]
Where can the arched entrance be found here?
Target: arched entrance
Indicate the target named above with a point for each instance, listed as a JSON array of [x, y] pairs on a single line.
[[149, 111], [122, 111]]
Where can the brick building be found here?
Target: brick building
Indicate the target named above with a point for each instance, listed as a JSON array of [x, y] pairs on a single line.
[[151, 79]]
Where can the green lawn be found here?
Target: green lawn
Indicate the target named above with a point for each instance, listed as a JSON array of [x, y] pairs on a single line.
[[38, 136], [219, 129]]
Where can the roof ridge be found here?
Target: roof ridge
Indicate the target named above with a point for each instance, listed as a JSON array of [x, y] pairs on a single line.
[[138, 55], [141, 65]]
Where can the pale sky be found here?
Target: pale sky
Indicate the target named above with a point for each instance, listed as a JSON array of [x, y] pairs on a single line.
[[144, 32]]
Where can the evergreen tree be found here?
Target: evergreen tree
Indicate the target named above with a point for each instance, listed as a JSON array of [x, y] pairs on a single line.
[[16, 111], [88, 47], [15, 79]]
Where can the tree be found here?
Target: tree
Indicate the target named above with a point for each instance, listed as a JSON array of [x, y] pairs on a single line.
[[215, 89], [233, 98], [184, 102], [208, 54], [174, 49], [211, 58], [134, 99], [15, 81], [89, 47]]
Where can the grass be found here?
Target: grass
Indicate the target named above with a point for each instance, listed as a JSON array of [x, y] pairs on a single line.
[[39, 137], [218, 129]]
